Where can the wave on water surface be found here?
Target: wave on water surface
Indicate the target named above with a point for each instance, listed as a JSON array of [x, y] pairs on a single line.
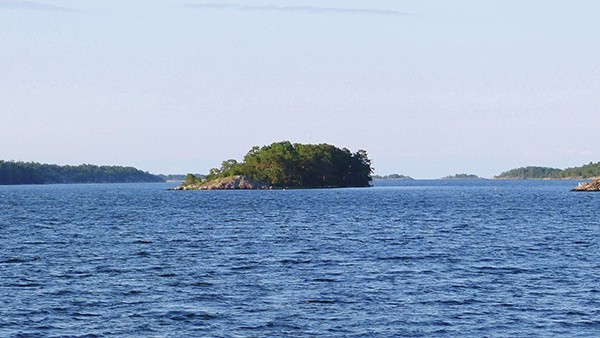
[[418, 258]]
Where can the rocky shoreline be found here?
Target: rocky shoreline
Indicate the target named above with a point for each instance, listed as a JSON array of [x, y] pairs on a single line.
[[593, 185], [237, 182]]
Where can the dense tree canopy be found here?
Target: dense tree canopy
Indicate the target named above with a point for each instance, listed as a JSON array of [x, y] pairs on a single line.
[[586, 171], [36, 173], [529, 172], [284, 164]]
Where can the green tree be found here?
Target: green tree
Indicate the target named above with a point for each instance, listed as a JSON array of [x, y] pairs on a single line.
[[284, 164], [191, 179]]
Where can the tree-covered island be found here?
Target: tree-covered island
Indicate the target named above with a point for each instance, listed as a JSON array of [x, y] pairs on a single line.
[[289, 165]]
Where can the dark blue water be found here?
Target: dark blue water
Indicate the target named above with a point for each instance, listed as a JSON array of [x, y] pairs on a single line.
[[421, 258]]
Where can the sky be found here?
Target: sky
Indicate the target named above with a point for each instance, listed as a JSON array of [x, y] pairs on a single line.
[[427, 88]]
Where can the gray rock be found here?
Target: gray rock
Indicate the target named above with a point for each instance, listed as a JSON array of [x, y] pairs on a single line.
[[593, 185], [227, 183]]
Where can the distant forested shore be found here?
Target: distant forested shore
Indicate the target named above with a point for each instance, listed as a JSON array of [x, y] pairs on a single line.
[[392, 177], [12, 172], [461, 177], [586, 171]]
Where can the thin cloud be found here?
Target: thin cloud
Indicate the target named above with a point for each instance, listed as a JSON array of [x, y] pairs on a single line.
[[302, 9], [32, 5], [212, 6]]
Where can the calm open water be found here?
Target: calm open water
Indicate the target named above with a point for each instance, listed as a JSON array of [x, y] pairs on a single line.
[[419, 258]]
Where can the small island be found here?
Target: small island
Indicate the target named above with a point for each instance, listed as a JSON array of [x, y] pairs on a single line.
[[462, 177], [288, 165], [393, 177]]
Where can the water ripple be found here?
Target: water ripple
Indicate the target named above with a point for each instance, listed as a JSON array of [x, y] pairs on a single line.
[[421, 259]]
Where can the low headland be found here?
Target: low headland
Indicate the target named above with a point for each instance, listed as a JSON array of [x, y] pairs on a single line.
[[284, 165], [586, 171]]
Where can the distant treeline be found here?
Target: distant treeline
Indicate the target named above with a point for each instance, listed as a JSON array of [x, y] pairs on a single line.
[[36, 173], [293, 165], [586, 171], [177, 177], [462, 177], [392, 177]]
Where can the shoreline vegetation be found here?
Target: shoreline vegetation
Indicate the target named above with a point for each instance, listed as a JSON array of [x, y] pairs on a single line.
[[285, 165], [279, 165]]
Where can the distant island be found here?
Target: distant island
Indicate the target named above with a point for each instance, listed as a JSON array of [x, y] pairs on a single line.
[[177, 177], [462, 177], [392, 177], [288, 165], [586, 171], [12, 173]]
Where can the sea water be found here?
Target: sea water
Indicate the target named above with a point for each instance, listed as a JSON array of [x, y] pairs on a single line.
[[406, 258]]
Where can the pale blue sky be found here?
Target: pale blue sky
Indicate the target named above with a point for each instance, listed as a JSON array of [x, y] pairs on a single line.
[[428, 88]]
